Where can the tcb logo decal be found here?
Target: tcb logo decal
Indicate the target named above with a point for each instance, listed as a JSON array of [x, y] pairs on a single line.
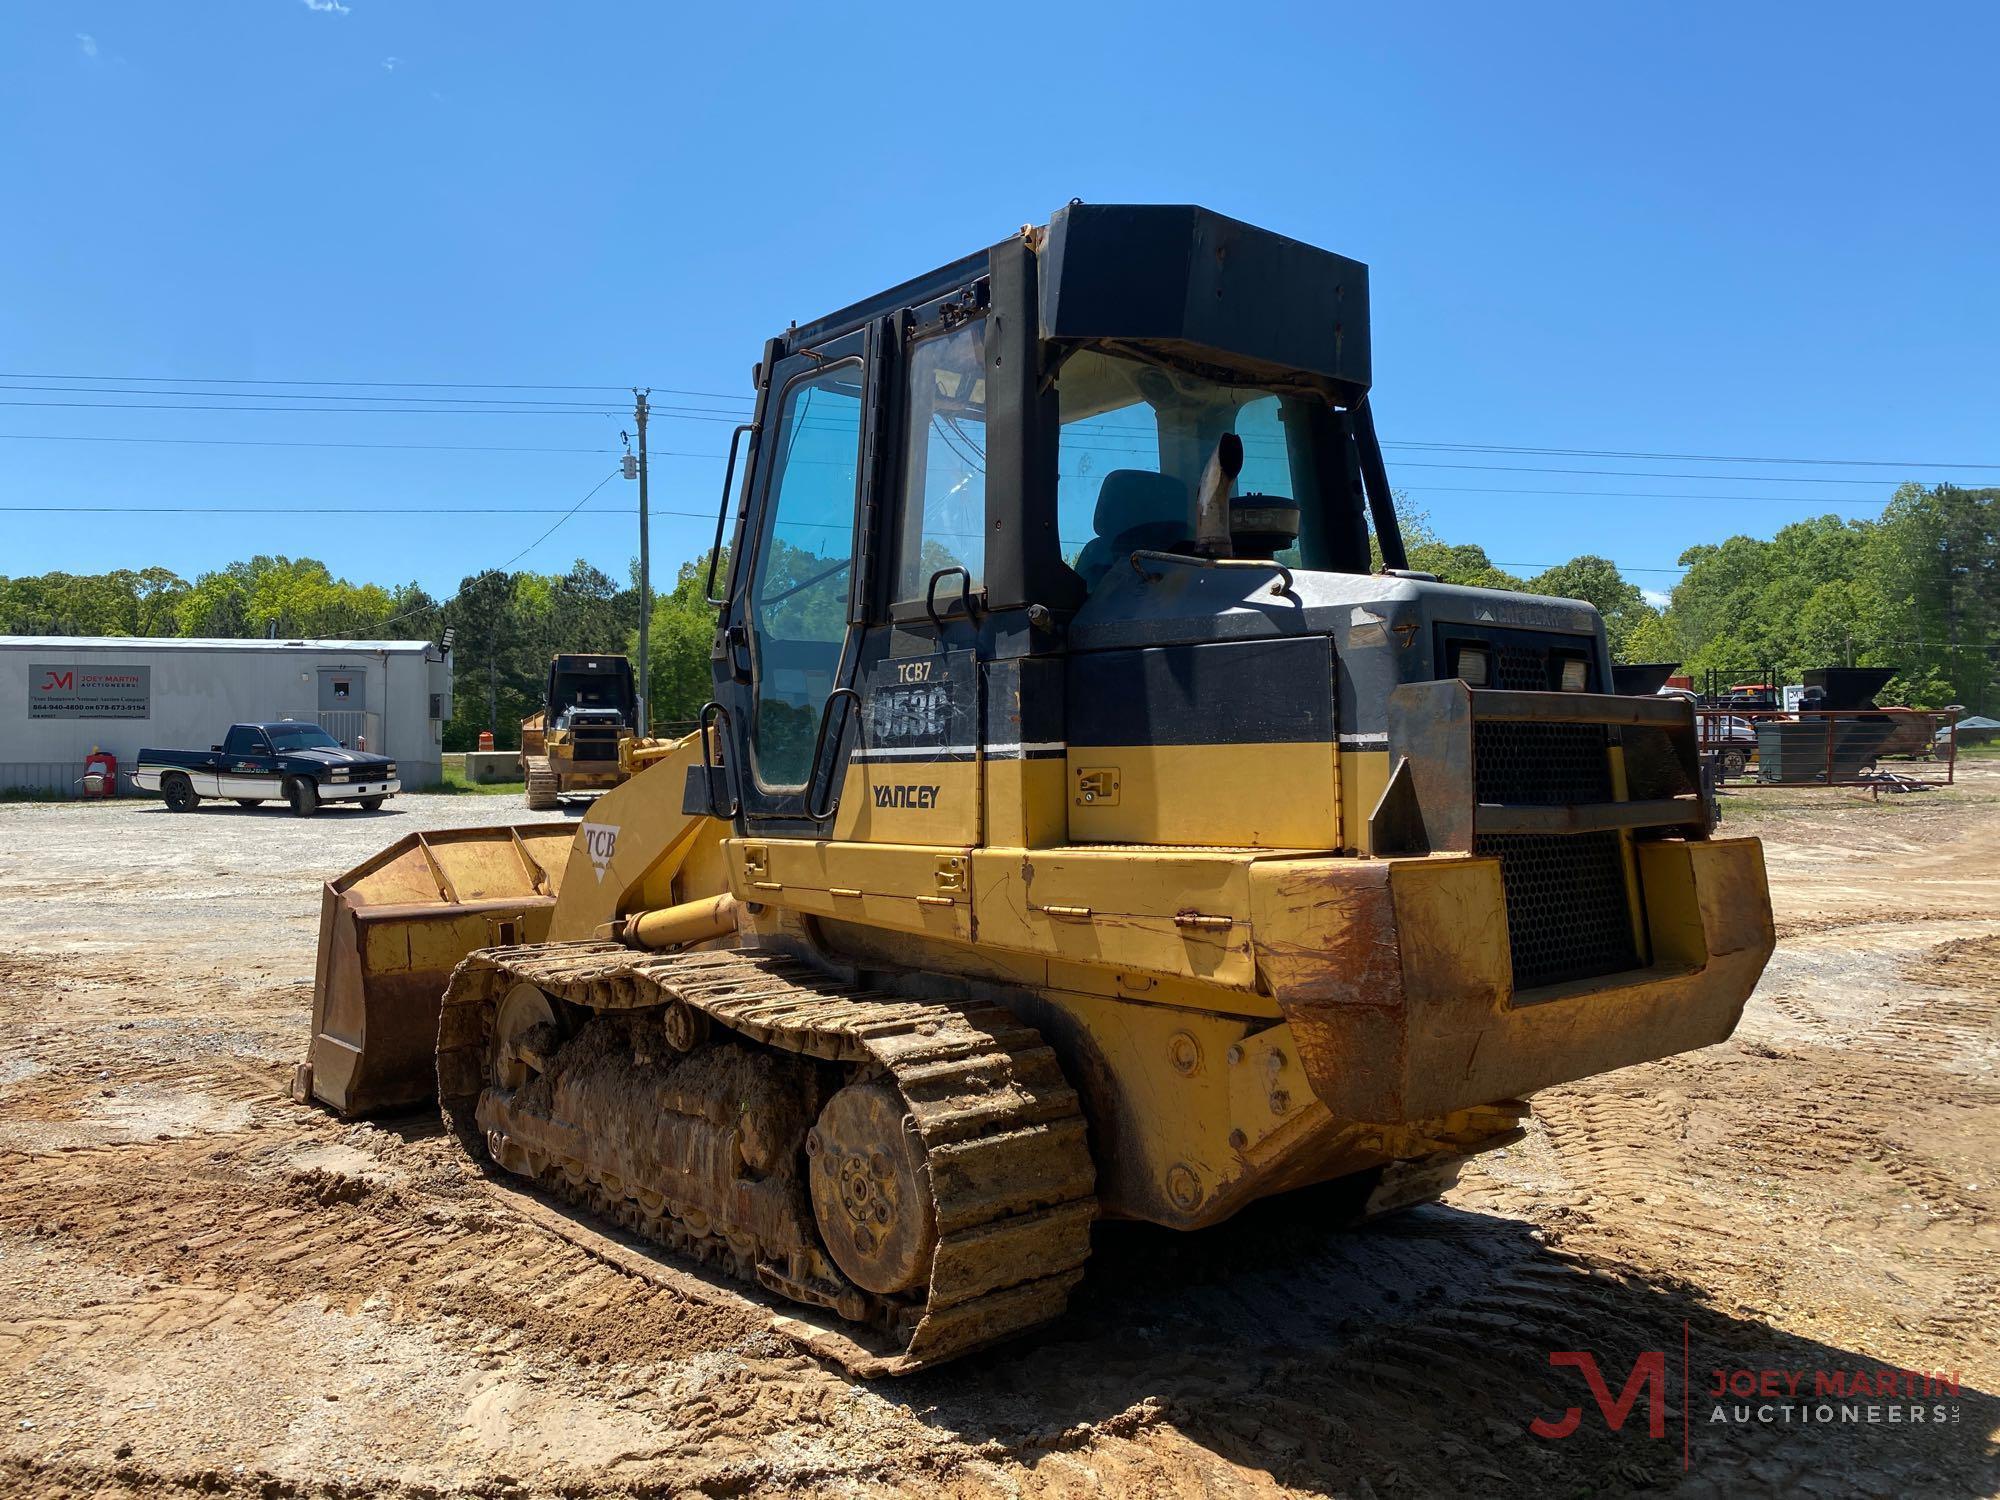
[[600, 843]]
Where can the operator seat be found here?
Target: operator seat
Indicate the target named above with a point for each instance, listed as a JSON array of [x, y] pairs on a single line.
[[1137, 510]]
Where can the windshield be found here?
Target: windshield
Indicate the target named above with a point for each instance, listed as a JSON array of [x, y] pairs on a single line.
[[301, 737], [1135, 439]]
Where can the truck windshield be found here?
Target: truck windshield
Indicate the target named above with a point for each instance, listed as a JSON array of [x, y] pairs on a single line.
[[1135, 438], [301, 737]]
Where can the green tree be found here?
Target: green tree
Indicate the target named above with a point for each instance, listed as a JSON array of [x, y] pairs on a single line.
[[683, 630], [1597, 580], [1463, 563], [1935, 557], [496, 680]]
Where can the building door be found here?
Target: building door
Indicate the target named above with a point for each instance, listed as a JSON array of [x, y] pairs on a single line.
[[343, 705]]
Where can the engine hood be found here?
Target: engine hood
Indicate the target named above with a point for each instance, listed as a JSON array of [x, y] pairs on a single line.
[[341, 757], [1385, 629]]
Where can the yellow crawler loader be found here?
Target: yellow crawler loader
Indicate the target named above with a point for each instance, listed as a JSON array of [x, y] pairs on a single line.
[[1082, 825], [581, 737]]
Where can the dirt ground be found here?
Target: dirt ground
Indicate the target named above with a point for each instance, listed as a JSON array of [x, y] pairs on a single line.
[[204, 1287]]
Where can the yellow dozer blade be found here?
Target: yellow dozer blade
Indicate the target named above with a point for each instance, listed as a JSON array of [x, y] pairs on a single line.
[[391, 930]]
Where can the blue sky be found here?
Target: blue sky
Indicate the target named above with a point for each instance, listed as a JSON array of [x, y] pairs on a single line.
[[1690, 230]]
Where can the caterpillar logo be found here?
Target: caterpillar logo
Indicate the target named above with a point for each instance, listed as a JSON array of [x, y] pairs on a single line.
[[924, 797]]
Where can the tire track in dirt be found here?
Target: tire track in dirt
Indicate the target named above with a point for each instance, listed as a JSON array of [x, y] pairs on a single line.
[[247, 1223]]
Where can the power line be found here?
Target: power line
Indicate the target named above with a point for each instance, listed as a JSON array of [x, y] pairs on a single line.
[[405, 385], [65, 437], [375, 411], [1702, 458], [676, 414], [1487, 489], [1468, 489], [1415, 445], [1413, 463], [440, 606], [414, 385], [342, 510], [570, 512], [425, 401]]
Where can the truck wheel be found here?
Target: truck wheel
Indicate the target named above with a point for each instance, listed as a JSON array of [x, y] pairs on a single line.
[[373, 804], [1733, 762], [303, 796], [249, 801], [179, 793]]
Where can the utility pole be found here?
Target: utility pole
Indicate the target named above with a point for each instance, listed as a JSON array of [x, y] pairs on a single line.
[[645, 574]]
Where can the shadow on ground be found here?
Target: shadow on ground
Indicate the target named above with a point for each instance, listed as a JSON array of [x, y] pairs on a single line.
[[1409, 1357]]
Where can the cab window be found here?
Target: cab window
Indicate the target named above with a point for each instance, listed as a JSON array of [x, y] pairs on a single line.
[[1135, 438], [244, 739], [804, 569], [943, 521]]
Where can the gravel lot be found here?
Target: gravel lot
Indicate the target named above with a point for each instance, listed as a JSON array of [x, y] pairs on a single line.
[[206, 1288]]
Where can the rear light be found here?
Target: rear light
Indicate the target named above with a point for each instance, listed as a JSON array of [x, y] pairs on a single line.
[[1471, 666], [1575, 675]]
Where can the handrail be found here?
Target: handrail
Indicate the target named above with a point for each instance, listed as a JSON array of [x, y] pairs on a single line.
[[1149, 554], [814, 810], [964, 592], [708, 767], [722, 512]]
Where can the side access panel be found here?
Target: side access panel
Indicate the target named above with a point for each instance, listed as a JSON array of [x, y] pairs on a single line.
[[1225, 744]]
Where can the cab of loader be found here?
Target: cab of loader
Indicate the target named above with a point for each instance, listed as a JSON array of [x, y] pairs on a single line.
[[1068, 543]]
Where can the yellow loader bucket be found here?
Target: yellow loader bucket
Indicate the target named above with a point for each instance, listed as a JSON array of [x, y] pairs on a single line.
[[390, 933]]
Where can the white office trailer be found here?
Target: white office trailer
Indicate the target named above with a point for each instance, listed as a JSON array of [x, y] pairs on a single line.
[[63, 696]]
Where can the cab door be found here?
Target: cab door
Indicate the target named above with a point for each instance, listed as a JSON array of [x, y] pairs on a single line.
[[248, 767], [791, 638]]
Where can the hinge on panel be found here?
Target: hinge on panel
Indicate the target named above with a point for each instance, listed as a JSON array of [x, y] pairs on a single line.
[[1064, 913], [1203, 921]]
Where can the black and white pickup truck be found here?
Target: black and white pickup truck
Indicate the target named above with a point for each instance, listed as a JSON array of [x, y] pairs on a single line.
[[301, 763]]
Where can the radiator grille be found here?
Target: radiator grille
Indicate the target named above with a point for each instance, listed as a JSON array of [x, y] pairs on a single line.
[[1521, 669], [596, 745], [1568, 913], [1549, 765], [1567, 916]]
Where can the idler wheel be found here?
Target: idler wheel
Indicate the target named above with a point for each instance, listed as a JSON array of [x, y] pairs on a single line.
[[871, 1190], [516, 1059]]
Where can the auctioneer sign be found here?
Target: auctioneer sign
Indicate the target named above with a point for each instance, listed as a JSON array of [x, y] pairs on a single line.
[[73, 691]]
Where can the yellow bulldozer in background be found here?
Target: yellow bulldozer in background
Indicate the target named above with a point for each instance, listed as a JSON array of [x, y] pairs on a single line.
[[581, 737], [1081, 827]]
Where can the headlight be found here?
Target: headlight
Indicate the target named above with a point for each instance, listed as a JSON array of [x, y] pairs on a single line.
[[1471, 666], [340, 773], [389, 770], [1576, 675]]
